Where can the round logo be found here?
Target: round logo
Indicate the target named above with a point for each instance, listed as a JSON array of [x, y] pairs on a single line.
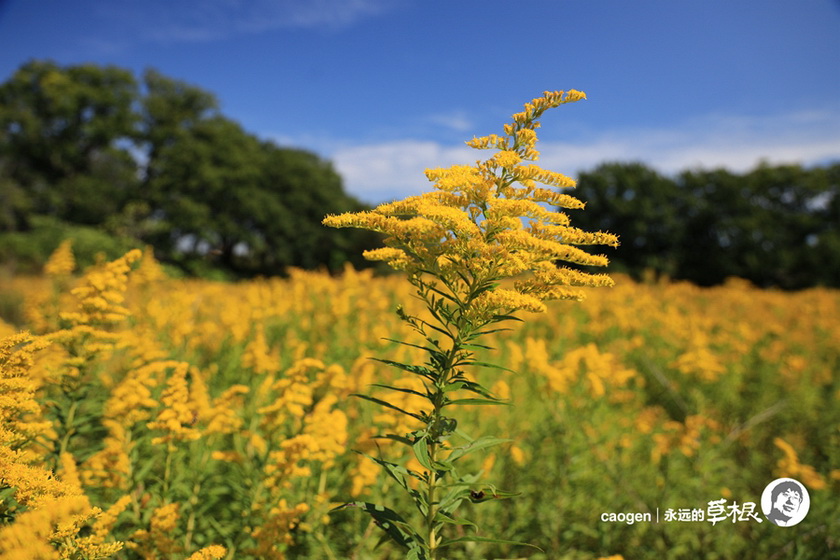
[[785, 502]]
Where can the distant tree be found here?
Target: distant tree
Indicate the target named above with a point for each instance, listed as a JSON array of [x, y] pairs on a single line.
[[217, 191], [199, 184], [64, 135], [714, 214], [775, 225], [84, 145], [824, 243], [15, 205], [638, 204], [306, 188]]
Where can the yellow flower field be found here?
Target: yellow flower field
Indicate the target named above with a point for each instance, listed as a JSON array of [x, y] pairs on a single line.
[[150, 417]]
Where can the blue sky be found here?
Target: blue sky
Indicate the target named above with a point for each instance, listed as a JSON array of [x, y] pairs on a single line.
[[386, 88]]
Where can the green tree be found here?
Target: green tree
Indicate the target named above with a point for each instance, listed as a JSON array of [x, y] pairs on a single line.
[[304, 188], [64, 136], [639, 205], [218, 191], [767, 225], [774, 225], [80, 144]]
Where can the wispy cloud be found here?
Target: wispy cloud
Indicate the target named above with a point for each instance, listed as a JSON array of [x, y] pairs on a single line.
[[457, 121], [378, 172], [207, 20], [383, 171]]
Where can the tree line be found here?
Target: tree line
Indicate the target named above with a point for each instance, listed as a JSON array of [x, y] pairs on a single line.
[[119, 160], [154, 161], [776, 226]]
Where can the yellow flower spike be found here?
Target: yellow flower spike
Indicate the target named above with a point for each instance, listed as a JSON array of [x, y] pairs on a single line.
[[506, 159], [107, 519], [212, 552], [177, 417], [33, 531], [456, 251], [61, 262]]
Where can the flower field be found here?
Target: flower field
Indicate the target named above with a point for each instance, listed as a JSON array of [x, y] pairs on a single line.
[[151, 417]]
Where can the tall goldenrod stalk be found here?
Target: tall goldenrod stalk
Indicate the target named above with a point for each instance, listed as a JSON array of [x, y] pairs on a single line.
[[482, 224]]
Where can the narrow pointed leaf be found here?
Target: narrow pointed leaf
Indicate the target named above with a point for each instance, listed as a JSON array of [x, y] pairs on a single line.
[[483, 364], [395, 437], [391, 522], [476, 401], [426, 348], [467, 539], [481, 443], [442, 518], [500, 318], [417, 370], [399, 389], [421, 451], [387, 405], [396, 472]]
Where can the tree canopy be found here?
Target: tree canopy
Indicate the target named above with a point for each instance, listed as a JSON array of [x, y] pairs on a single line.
[[774, 225], [156, 160], [152, 160]]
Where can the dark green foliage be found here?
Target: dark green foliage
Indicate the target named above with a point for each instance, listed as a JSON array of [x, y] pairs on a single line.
[[774, 226], [84, 145], [25, 252], [63, 134]]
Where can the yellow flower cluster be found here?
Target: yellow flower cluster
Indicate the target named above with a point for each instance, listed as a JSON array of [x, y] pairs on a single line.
[[55, 508], [650, 374], [61, 261], [472, 229], [601, 373], [276, 534], [686, 436], [103, 293], [790, 466], [178, 414]]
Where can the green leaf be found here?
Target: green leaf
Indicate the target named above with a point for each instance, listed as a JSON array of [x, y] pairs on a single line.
[[449, 387], [477, 346], [417, 370], [481, 443], [386, 404], [489, 331], [443, 518], [442, 293], [476, 401], [396, 472], [500, 318], [400, 389], [453, 499], [466, 539], [490, 493], [438, 329], [421, 451], [482, 364], [477, 388], [426, 348], [393, 524], [402, 439]]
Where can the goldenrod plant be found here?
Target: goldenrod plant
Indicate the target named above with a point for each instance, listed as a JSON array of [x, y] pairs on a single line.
[[481, 225], [143, 416]]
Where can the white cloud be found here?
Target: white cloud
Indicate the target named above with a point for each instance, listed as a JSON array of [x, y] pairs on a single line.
[[384, 171], [458, 121], [206, 20], [378, 172]]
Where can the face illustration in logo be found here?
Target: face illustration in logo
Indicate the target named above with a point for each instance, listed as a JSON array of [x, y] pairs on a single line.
[[785, 499]]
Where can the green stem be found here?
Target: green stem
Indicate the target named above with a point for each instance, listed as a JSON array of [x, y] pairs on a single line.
[[432, 498], [68, 427], [167, 471]]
